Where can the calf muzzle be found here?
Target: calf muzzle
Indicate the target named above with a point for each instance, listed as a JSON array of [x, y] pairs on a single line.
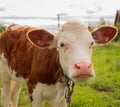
[[83, 70]]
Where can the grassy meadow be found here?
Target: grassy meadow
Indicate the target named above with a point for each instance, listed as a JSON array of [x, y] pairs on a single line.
[[103, 90]]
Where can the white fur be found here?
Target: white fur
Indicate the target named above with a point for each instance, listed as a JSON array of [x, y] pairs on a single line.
[[4, 69], [10, 89], [77, 40], [54, 94]]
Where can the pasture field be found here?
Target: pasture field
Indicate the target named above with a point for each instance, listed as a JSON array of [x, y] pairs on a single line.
[[103, 90]]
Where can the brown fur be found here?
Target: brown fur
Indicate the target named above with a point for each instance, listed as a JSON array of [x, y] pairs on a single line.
[[28, 61]]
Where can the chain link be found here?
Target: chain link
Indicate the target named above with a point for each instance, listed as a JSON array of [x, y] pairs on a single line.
[[69, 91]]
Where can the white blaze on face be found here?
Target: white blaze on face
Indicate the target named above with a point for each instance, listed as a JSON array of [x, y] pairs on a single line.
[[75, 46]]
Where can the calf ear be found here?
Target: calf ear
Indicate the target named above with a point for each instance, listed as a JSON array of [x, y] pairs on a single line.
[[41, 38], [104, 34]]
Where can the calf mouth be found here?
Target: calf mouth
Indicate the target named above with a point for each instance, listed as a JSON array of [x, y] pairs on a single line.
[[82, 77]]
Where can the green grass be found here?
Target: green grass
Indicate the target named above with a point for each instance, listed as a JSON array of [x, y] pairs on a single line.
[[103, 90]]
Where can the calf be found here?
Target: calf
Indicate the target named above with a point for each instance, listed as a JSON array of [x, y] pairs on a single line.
[[45, 62]]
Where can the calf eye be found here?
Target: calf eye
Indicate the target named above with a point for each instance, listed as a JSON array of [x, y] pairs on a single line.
[[62, 44], [91, 45]]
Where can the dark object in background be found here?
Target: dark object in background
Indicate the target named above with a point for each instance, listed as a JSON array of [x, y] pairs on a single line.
[[117, 17]]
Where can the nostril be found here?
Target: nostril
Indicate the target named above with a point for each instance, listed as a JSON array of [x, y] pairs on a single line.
[[77, 66], [90, 66]]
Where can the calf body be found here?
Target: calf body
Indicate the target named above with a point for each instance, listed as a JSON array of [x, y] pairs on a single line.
[[21, 61], [42, 60]]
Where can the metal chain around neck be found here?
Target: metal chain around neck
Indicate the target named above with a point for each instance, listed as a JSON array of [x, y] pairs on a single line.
[[69, 91]]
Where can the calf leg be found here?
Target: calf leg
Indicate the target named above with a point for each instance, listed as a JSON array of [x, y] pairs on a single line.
[[15, 90], [35, 95], [36, 98], [6, 93], [37, 101], [6, 81]]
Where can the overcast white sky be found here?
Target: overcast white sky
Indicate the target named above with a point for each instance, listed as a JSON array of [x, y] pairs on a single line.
[[52, 7]]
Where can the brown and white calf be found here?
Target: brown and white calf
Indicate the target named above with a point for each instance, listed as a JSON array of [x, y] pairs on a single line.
[[42, 60]]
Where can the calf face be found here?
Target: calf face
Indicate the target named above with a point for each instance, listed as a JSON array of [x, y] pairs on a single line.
[[74, 44]]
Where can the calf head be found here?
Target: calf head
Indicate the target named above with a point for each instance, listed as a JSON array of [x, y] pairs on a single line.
[[75, 45]]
